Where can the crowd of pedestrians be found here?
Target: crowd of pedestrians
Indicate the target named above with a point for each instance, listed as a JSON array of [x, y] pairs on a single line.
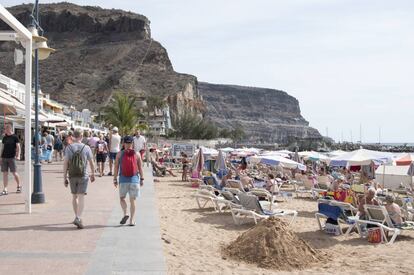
[[125, 165], [85, 154]]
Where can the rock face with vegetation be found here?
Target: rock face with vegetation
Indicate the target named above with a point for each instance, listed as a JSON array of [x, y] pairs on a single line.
[[266, 115], [101, 51]]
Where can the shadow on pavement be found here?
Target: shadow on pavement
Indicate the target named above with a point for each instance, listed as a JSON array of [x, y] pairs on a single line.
[[54, 227]]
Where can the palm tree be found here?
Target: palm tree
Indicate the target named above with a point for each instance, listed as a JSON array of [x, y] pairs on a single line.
[[155, 102], [122, 113]]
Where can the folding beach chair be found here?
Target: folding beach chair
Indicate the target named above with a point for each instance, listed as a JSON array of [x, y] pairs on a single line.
[[251, 208], [341, 212], [378, 216]]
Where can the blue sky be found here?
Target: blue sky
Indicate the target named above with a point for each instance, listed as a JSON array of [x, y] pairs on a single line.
[[348, 62]]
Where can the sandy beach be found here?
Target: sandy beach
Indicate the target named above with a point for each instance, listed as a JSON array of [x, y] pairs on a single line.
[[193, 239]]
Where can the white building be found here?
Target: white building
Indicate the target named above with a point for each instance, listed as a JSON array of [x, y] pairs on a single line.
[[160, 121]]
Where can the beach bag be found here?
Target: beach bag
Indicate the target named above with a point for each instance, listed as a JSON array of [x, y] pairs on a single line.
[[374, 235], [77, 164], [129, 164], [332, 229]]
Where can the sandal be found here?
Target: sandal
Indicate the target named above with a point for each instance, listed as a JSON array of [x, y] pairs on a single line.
[[5, 192], [19, 189], [124, 219]]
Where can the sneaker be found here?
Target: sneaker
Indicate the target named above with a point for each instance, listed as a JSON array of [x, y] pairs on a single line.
[[78, 223], [110, 174]]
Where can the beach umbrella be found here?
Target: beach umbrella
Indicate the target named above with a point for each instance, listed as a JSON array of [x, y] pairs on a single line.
[[198, 163], [336, 153], [220, 164], [277, 161], [360, 157], [411, 170], [287, 152], [227, 149], [411, 173], [275, 153], [315, 156], [406, 159], [296, 155], [209, 152]]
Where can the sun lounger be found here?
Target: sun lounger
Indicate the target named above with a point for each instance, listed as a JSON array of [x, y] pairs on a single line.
[[203, 196], [270, 199], [342, 212], [235, 184], [378, 216], [251, 208], [308, 187], [219, 199]]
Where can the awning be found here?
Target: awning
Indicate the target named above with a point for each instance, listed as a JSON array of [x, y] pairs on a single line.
[[6, 108], [54, 118], [52, 103], [9, 105]]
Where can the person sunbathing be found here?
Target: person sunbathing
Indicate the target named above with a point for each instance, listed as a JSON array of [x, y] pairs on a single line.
[[393, 210], [247, 182], [226, 178], [158, 168], [369, 198], [336, 185], [270, 182]]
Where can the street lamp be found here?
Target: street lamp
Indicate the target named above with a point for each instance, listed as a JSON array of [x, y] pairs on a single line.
[[42, 51]]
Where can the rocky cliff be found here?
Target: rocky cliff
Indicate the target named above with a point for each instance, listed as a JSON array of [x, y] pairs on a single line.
[[266, 115], [100, 51]]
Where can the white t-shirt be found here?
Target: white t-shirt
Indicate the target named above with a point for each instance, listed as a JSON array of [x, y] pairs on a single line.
[[115, 143], [139, 143]]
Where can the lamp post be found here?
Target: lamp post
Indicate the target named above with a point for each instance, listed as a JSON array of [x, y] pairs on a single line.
[[41, 52]]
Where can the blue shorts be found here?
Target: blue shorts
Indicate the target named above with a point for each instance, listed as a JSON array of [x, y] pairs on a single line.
[[129, 188], [112, 155]]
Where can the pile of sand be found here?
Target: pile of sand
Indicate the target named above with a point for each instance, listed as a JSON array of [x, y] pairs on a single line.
[[272, 244]]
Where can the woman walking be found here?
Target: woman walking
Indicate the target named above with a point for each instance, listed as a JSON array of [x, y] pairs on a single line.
[[101, 154], [58, 147]]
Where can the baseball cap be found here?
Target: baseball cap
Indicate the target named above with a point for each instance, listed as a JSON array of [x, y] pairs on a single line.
[[128, 139], [115, 129]]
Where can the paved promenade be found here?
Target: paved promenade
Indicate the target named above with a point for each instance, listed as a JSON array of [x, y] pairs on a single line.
[[46, 242]]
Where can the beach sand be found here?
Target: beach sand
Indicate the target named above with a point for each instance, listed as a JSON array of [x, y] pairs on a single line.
[[193, 239]]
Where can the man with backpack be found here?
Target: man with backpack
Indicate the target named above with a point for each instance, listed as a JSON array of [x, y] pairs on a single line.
[[128, 166], [77, 156]]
